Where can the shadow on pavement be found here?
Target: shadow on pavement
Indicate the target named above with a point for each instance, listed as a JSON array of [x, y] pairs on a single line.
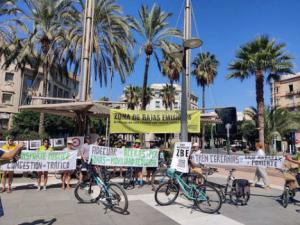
[[40, 221], [33, 186]]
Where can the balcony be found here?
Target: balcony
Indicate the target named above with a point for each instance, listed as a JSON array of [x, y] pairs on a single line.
[[292, 93]]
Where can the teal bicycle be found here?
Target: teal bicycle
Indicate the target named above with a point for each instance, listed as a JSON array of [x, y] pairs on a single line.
[[206, 197], [96, 189]]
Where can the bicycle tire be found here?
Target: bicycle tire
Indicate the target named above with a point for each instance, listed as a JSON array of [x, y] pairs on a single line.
[[129, 180], [208, 189], [236, 200], [285, 198], [159, 177], [114, 196], [87, 192], [166, 188]]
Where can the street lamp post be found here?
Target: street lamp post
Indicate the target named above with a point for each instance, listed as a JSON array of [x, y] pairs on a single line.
[[187, 44], [228, 127]]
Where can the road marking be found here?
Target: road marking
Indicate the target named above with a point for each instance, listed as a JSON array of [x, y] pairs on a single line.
[[181, 212]]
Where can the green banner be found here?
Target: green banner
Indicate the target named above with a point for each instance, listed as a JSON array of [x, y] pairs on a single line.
[[128, 121], [106, 156]]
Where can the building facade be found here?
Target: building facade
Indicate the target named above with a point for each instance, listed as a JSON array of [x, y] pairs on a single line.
[[20, 87], [156, 102], [285, 93]]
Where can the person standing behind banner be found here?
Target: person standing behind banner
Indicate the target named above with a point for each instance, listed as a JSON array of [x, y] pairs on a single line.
[[261, 171], [66, 178], [84, 154], [138, 170], [45, 147], [151, 170], [194, 166], [9, 146]]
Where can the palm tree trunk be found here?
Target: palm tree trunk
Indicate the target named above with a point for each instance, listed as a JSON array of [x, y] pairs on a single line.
[[45, 84], [259, 82], [203, 111], [144, 100]]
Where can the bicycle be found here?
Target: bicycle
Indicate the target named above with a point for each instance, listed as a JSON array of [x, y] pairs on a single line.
[[160, 175], [129, 178], [93, 189], [238, 190], [206, 197], [290, 187]]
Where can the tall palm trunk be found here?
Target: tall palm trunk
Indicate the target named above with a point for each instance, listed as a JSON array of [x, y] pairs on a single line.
[[259, 82], [203, 111], [144, 100]]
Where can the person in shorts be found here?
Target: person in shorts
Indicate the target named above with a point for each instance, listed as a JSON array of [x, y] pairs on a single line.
[[84, 154], [138, 170], [8, 175], [45, 147], [66, 177], [151, 170], [296, 160]]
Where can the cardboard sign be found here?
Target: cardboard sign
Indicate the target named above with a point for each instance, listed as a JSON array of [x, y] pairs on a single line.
[[181, 154]]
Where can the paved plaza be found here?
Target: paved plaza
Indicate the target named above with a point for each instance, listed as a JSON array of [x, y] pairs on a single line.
[[26, 206]]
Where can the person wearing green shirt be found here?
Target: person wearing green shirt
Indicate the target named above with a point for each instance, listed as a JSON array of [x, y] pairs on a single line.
[[296, 160], [45, 147]]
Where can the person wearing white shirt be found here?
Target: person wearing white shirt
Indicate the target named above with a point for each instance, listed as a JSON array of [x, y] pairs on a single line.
[[261, 172]]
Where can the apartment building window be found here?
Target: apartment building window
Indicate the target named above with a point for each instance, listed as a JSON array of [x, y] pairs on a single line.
[[157, 94], [7, 98], [157, 104], [176, 105], [28, 81], [54, 91], [66, 94], [9, 77], [60, 93], [291, 88], [276, 90]]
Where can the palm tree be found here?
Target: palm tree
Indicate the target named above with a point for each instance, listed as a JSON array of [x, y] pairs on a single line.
[[148, 96], [43, 41], [257, 58], [167, 94], [7, 7], [154, 29], [112, 41], [205, 70], [132, 95], [171, 67]]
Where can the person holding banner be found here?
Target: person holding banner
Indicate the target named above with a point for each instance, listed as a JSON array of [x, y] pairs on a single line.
[[5, 157], [151, 170], [9, 146], [194, 167], [261, 172], [45, 147], [138, 170], [66, 178], [84, 154]]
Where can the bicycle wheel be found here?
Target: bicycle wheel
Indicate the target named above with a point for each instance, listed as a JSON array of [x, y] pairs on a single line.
[[285, 198], [116, 198], [159, 177], [166, 193], [87, 192], [208, 198], [235, 199], [129, 181]]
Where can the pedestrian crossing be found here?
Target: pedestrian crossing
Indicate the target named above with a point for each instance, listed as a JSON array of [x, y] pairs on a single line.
[[182, 212]]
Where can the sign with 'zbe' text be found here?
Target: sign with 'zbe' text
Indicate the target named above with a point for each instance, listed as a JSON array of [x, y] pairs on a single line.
[[181, 156]]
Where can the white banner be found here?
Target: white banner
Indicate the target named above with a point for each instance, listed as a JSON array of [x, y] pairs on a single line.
[[43, 161], [239, 160], [106, 156], [181, 156]]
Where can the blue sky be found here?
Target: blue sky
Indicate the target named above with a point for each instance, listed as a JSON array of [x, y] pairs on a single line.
[[223, 25]]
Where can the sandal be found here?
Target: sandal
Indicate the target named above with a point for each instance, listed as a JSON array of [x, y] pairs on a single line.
[[9, 190], [2, 190]]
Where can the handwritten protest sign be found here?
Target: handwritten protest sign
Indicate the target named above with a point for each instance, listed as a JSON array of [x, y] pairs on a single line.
[[43, 161], [107, 156], [78, 141], [181, 155], [239, 160]]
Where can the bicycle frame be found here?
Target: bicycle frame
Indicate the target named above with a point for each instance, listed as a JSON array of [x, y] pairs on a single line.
[[99, 181], [188, 189]]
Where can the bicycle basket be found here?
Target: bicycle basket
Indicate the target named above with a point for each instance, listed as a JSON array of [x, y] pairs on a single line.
[[171, 172]]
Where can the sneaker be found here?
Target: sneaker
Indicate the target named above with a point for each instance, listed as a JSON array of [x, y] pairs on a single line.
[[45, 188], [38, 188]]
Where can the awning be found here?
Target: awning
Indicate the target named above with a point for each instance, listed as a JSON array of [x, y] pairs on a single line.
[[69, 109]]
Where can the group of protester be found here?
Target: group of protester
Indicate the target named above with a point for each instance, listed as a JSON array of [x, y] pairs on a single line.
[[42, 176]]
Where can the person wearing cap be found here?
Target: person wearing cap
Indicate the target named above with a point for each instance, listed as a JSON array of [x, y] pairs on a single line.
[[84, 154], [66, 177], [45, 147], [9, 146]]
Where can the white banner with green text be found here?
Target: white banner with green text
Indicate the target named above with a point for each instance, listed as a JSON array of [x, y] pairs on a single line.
[[129, 157], [43, 161]]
